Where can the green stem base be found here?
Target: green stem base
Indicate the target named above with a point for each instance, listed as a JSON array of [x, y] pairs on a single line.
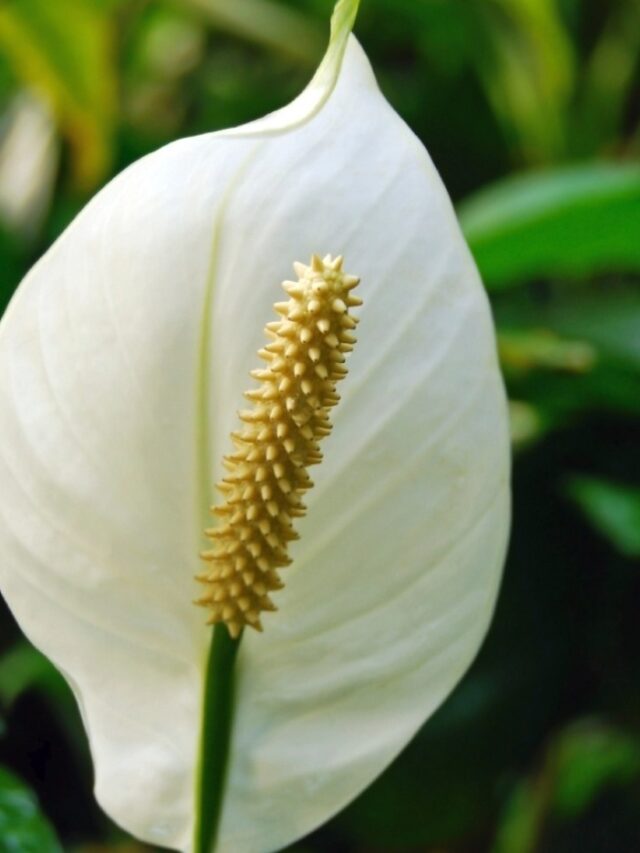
[[217, 719]]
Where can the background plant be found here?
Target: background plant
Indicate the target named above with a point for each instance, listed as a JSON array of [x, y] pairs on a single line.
[[530, 110]]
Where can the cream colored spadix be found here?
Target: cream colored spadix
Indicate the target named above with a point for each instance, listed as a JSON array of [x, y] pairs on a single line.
[[267, 474], [123, 358]]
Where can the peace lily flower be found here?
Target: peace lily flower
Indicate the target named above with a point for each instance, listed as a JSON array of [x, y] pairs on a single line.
[[123, 360]]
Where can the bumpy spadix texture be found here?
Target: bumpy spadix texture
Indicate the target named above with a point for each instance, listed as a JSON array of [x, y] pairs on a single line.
[[267, 474], [123, 359]]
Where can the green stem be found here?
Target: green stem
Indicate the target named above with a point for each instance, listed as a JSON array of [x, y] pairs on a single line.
[[217, 720]]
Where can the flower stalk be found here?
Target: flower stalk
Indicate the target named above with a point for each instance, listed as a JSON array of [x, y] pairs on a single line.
[[215, 741]]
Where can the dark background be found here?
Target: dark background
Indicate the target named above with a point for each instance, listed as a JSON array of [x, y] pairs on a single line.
[[530, 110]]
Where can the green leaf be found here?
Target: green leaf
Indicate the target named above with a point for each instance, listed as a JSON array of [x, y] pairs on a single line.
[[23, 827], [608, 80], [64, 50], [581, 763], [613, 509], [588, 759], [520, 824], [22, 668], [266, 22], [519, 50], [571, 222], [528, 74], [603, 318], [608, 319]]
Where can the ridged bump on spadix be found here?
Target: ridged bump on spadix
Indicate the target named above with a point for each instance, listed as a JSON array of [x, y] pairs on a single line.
[[267, 473]]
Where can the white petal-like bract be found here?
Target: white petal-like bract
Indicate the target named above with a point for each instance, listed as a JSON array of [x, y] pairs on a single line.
[[123, 358]]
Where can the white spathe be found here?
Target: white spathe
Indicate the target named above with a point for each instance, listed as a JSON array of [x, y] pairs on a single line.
[[123, 358]]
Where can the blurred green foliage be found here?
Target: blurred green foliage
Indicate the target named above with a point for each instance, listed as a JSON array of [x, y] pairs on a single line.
[[531, 112], [65, 52], [23, 829], [613, 509], [581, 764], [568, 223]]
